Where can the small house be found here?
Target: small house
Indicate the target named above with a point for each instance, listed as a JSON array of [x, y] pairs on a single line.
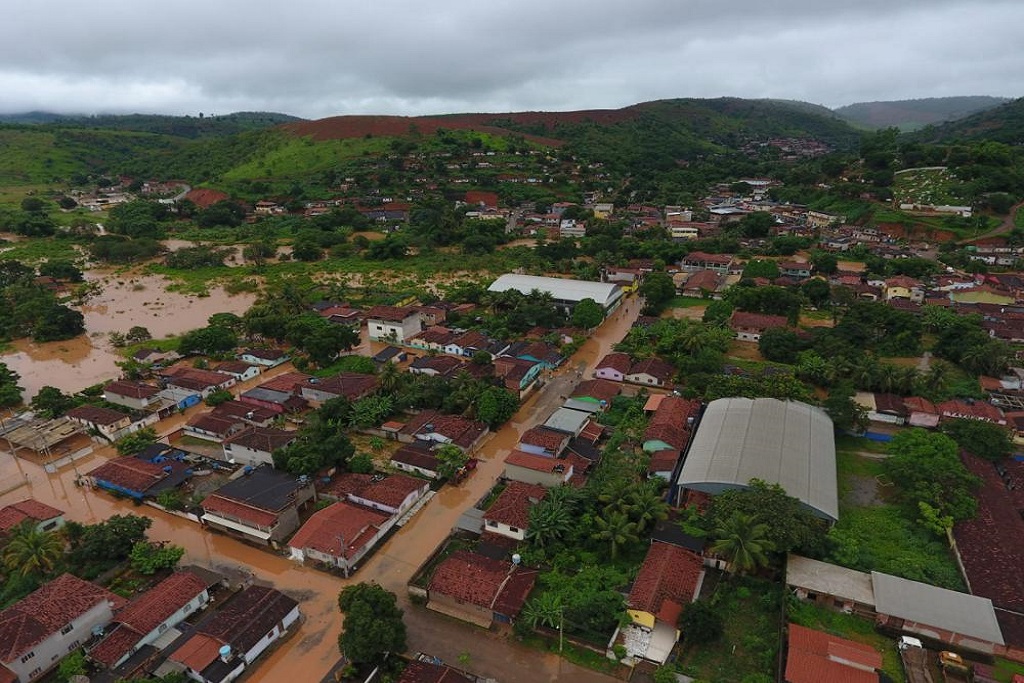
[[479, 589], [261, 506]]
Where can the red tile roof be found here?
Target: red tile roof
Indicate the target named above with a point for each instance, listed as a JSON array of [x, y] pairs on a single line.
[[219, 505], [756, 321], [129, 473], [394, 314], [245, 411], [416, 457], [31, 620], [815, 657], [667, 581], [288, 382], [663, 461], [131, 389], [991, 545], [655, 367], [29, 509], [538, 463], [265, 439], [425, 672], [325, 530], [198, 652], [979, 410], [597, 389], [670, 422], [915, 404], [463, 433], [351, 385], [216, 424], [392, 490], [483, 582], [619, 362], [543, 437], [342, 485], [97, 415], [512, 506], [246, 618]]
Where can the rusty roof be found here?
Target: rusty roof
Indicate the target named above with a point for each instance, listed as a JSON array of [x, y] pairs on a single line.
[[668, 580], [481, 581], [512, 506], [29, 509]]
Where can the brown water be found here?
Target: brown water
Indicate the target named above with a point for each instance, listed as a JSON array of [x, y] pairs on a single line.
[[310, 653], [125, 300]]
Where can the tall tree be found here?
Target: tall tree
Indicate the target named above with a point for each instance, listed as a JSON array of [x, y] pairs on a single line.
[[30, 552], [615, 528], [743, 541], [373, 623], [10, 392]]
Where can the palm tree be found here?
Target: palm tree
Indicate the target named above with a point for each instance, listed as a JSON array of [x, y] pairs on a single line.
[[742, 541], [390, 378], [550, 523], [543, 610], [615, 528], [645, 506], [30, 552]]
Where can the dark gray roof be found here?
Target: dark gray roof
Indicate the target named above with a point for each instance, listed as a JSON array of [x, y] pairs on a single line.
[[263, 487]]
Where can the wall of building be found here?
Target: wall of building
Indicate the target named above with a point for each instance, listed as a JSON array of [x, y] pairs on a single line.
[[48, 653]]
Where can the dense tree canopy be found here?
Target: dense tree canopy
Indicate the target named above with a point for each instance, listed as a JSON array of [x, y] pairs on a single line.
[[373, 623]]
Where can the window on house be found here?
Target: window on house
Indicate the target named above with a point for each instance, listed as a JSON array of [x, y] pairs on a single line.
[[25, 658], [513, 530], [491, 522], [67, 629], [162, 628], [35, 672]]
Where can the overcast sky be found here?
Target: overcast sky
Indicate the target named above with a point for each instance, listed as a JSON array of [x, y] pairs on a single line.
[[317, 58]]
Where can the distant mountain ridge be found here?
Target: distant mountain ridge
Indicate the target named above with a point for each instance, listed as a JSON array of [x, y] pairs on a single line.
[[1004, 123], [161, 124], [911, 115]]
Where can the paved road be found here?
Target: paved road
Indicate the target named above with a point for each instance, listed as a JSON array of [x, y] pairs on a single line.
[[312, 651]]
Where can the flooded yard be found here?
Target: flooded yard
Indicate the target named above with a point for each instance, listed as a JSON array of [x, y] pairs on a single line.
[[124, 301]]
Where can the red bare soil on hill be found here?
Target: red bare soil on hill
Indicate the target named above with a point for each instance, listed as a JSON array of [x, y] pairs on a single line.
[[342, 127], [204, 199]]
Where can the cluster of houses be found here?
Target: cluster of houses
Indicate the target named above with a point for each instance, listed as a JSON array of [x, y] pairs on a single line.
[[171, 627]]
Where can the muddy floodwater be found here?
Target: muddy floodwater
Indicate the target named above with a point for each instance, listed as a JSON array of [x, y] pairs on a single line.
[[309, 653], [125, 300]]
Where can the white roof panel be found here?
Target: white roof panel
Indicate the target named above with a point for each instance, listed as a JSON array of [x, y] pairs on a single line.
[[604, 293], [784, 442]]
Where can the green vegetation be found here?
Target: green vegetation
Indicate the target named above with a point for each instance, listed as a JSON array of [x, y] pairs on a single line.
[[748, 650], [373, 623]]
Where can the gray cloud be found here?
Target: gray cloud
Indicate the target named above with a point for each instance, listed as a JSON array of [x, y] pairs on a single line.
[[321, 57]]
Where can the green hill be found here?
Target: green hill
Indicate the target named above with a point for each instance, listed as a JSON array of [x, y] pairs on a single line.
[[640, 139], [914, 114], [1004, 123], [37, 154]]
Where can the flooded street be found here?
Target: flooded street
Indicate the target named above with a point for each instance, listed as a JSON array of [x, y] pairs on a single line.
[[313, 650], [126, 300]]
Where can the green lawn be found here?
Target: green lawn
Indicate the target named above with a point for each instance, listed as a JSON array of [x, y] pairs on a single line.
[[751, 612], [1018, 218], [854, 444], [853, 628], [687, 302]]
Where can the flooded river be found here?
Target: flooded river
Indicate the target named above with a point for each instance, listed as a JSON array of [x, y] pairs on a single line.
[[125, 300]]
